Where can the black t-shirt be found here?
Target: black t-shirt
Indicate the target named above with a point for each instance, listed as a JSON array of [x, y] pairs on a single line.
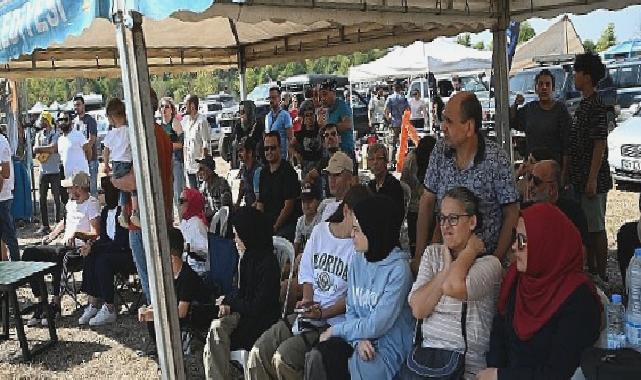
[[309, 144], [189, 287], [574, 212], [276, 188]]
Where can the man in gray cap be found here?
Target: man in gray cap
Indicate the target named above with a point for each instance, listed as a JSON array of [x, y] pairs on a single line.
[[340, 173], [213, 187]]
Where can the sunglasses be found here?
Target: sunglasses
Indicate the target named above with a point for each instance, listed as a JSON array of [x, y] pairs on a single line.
[[520, 239], [269, 148], [537, 180], [166, 106], [330, 134], [452, 219], [182, 200], [63, 120]]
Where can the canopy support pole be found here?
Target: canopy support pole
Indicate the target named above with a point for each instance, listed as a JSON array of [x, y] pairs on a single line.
[[242, 68], [500, 75], [136, 88]]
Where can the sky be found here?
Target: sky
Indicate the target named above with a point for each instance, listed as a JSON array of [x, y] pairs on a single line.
[[627, 25]]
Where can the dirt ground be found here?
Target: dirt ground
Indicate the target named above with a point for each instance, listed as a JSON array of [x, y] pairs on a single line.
[[111, 352]]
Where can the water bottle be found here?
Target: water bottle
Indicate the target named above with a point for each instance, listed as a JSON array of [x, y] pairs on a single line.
[[616, 314], [633, 315]]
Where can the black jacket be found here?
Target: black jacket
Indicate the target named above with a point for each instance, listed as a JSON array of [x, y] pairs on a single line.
[[257, 297], [555, 350]]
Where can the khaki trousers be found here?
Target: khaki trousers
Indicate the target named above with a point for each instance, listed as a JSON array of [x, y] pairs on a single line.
[[216, 354]]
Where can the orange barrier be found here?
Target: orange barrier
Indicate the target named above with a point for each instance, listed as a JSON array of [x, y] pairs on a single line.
[[407, 131]]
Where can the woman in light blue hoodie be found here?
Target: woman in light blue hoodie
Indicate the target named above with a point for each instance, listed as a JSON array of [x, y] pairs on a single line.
[[376, 336]]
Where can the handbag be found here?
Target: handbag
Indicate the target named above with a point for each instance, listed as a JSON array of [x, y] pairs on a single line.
[[435, 363], [604, 364], [223, 261]]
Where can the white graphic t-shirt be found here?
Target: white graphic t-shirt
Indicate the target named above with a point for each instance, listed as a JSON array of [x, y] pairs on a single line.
[[324, 264]]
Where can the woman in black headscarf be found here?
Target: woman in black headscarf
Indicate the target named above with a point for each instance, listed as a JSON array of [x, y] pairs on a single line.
[[254, 307], [378, 323]]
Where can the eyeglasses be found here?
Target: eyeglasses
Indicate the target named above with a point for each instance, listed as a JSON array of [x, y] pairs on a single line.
[[165, 106], [269, 148], [330, 134], [520, 239], [537, 180], [451, 219], [63, 120], [182, 200]]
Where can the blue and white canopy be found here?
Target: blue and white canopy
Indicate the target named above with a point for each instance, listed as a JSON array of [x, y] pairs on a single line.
[[26, 25]]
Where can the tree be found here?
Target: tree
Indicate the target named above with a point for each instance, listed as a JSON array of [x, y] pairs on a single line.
[[607, 39], [526, 32], [479, 45], [589, 46], [464, 39]]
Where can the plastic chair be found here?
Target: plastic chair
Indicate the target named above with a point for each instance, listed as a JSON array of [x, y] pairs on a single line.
[[221, 217], [284, 251]]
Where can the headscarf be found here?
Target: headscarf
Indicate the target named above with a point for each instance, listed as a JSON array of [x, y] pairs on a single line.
[[195, 205], [254, 229], [554, 270], [378, 218]]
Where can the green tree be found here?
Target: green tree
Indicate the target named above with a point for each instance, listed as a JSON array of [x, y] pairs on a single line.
[[464, 39], [479, 45], [589, 46], [607, 39], [526, 32]]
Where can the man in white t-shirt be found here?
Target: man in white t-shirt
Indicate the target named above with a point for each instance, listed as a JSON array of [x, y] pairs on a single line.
[[340, 177], [197, 139], [418, 110], [72, 146], [7, 224], [376, 108], [81, 224]]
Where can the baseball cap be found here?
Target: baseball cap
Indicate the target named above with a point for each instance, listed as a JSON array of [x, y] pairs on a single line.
[[46, 115], [80, 179], [339, 163], [309, 192], [207, 161]]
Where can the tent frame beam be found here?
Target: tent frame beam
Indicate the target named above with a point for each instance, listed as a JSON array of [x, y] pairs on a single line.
[[500, 71]]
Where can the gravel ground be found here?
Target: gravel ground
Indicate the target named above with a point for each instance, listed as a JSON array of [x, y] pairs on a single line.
[[110, 352]]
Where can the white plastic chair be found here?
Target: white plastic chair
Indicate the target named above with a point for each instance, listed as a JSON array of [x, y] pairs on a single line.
[[284, 251], [220, 217]]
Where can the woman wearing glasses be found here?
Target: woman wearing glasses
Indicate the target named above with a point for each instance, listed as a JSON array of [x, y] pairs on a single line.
[[549, 311], [452, 275]]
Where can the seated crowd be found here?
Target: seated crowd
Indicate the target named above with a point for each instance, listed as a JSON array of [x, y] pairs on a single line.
[[358, 293]]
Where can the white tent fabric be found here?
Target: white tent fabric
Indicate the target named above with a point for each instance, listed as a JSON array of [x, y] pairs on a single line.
[[438, 57]]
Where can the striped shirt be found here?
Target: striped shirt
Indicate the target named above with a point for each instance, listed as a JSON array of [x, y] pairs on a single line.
[[442, 328]]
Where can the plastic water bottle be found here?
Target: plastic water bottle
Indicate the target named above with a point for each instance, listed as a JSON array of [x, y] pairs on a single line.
[[633, 315], [616, 314]]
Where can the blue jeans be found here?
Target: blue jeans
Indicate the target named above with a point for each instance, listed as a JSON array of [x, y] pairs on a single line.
[[138, 251], [93, 173], [178, 169], [8, 230]]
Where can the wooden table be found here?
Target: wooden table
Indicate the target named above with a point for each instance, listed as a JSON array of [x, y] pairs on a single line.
[[12, 276]]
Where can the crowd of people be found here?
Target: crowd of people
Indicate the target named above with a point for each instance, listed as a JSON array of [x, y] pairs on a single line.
[[358, 293]]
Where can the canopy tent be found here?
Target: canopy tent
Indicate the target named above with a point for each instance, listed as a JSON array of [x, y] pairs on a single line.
[[559, 39], [38, 108], [438, 57]]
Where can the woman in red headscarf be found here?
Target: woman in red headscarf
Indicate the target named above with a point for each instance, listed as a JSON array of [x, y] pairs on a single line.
[[193, 225], [548, 309]]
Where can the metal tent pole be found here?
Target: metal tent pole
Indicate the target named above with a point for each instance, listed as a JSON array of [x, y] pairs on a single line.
[[500, 68], [136, 88]]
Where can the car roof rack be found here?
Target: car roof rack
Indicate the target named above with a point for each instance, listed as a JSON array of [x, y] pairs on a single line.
[[555, 59]]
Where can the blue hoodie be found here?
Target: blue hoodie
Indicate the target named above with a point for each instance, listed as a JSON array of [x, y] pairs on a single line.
[[377, 310]]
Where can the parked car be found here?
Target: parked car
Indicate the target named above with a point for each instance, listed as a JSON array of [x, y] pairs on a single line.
[[626, 77], [624, 154]]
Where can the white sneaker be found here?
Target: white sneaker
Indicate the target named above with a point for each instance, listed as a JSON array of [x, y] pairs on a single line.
[[90, 312], [103, 316]]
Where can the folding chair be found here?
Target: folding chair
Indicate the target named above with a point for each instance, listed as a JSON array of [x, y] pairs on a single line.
[[72, 262], [128, 281], [284, 251]]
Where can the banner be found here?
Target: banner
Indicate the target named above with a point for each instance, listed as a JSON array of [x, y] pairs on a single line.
[[512, 40]]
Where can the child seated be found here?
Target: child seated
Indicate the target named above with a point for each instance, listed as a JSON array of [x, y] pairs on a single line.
[[117, 155]]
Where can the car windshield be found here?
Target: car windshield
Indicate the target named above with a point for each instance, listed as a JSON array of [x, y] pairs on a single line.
[[472, 84], [627, 76], [523, 82], [259, 93]]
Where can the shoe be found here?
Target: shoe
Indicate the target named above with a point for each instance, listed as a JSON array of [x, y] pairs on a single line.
[[122, 220], [134, 218], [44, 230], [35, 319], [104, 316], [90, 312]]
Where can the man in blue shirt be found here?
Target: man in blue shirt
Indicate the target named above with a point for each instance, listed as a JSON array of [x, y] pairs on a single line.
[[394, 107], [278, 120], [339, 113]]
